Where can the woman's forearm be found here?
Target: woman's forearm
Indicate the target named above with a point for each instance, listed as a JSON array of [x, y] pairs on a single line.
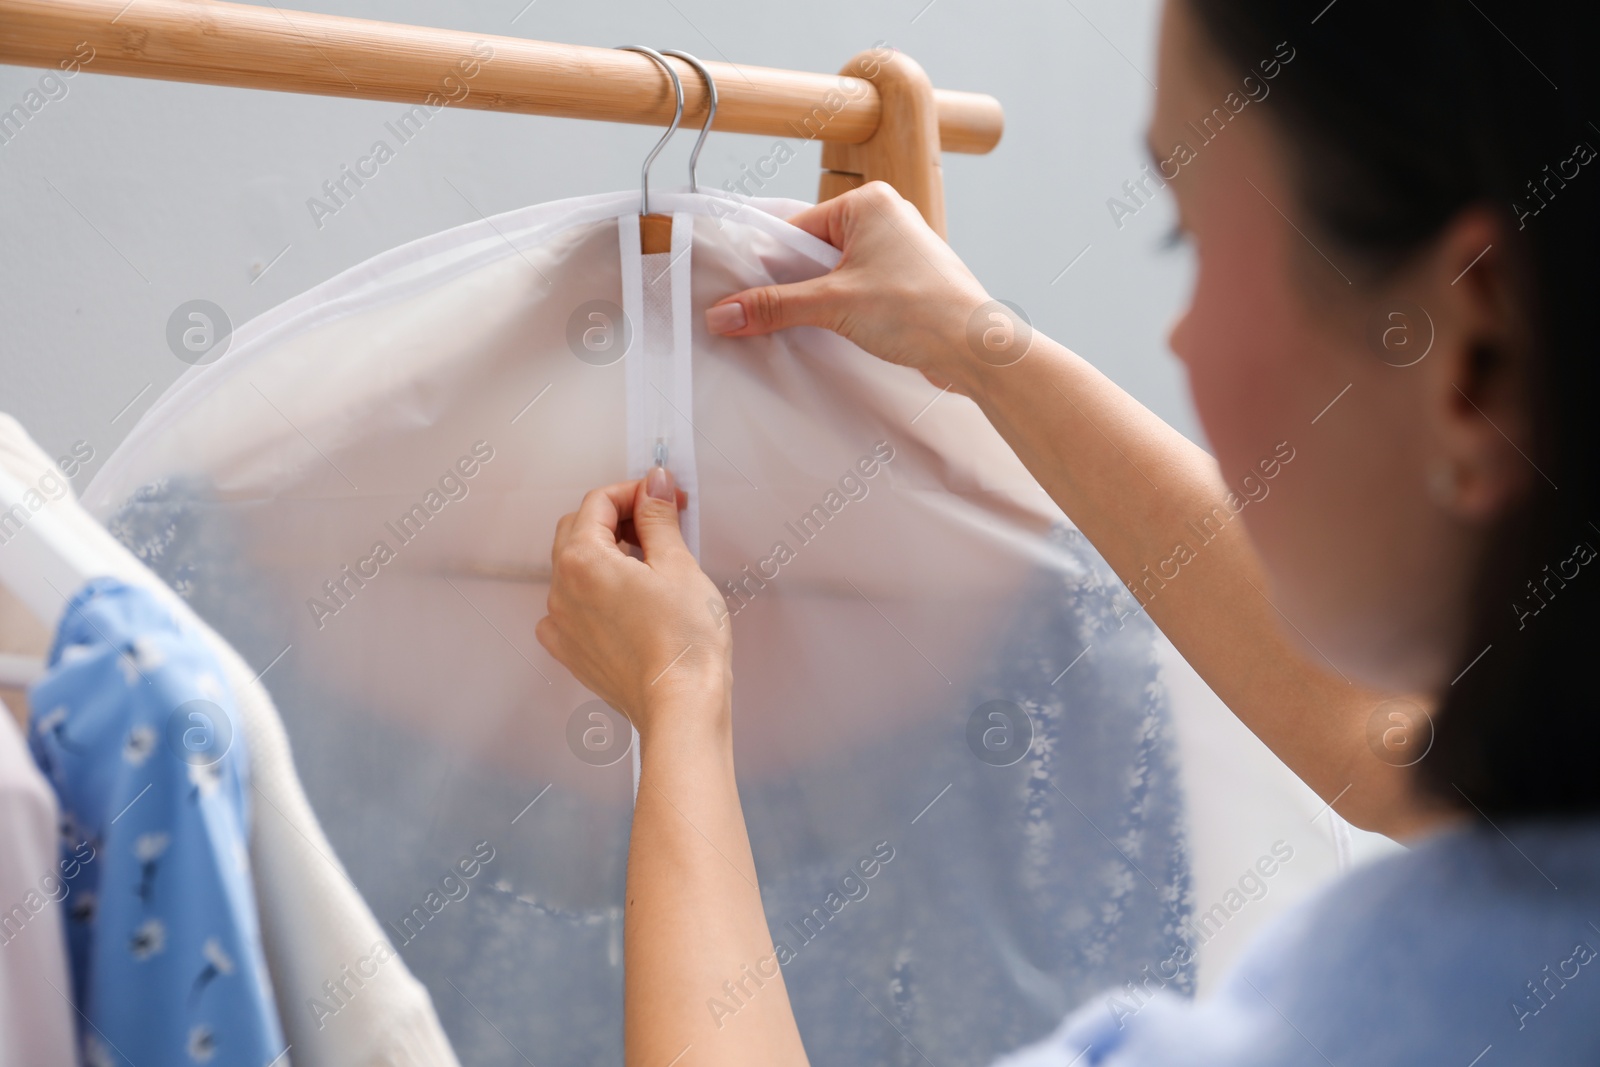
[[702, 983], [1136, 487], [1130, 482]]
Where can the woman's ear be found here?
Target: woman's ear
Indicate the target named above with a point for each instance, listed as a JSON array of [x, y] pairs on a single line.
[[1477, 420]]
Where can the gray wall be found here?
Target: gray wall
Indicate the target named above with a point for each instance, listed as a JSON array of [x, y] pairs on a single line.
[[125, 198]]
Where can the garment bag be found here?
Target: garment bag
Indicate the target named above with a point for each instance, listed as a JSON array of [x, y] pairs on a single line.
[[952, 736]]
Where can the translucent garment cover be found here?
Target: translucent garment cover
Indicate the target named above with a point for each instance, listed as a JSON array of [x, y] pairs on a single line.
[[963, 824]]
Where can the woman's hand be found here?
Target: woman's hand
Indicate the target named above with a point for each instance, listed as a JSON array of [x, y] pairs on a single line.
[[641, 635], [899, 291], [651, 638]]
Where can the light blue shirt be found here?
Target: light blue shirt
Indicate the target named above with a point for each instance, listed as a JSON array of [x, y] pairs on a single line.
[[135, 729], [1476, 948]]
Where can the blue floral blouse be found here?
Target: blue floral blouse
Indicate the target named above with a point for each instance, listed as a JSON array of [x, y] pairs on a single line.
[[135, 729]]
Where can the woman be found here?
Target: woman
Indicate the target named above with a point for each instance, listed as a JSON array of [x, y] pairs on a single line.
[[1392, 253]]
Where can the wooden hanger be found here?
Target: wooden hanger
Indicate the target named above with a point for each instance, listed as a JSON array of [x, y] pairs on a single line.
[[655, 230]]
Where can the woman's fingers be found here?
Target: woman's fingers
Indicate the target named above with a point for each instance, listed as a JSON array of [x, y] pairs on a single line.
[[655, 517], [627, 534], [824, 220], [602, 512], [613, 623], [548, 634], [899, 292], [600, 518], [563, 531], [773, 307], [607, 512], [814, 302]]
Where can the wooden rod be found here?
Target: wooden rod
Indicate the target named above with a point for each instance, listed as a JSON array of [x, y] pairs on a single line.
[[216, 43], [904, 151]]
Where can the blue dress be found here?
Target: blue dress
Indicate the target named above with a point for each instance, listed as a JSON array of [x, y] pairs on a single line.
[[138, 734]]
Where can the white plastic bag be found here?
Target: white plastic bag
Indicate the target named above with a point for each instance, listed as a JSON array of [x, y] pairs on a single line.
[[938, 680]]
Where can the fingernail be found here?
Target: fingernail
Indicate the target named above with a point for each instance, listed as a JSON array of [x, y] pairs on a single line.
[[725, 317], [658, 484]]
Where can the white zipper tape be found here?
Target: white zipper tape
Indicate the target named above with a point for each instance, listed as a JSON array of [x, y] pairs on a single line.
[[660, 386]]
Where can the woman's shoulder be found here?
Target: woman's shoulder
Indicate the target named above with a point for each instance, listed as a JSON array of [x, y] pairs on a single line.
[[1479, 936], [1526, 872], [1472, 894]]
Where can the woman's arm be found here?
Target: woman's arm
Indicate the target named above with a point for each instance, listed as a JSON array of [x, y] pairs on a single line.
[[637, 633], [703, 984], [1129, 481], [1093, 447]]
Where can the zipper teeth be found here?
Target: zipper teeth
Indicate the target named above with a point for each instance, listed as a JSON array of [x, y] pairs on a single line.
[[660, 371]]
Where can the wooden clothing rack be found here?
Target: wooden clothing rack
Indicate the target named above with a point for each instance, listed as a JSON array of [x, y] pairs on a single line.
[[880, 118]]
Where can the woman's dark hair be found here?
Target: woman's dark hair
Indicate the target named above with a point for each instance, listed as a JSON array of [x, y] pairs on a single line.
[[1399, 116]]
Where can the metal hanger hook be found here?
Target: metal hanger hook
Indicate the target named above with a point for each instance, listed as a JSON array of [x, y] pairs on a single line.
[[677, 117], [711, 109]]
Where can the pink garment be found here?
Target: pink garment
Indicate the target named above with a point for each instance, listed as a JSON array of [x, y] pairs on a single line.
[[35, 1007]]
